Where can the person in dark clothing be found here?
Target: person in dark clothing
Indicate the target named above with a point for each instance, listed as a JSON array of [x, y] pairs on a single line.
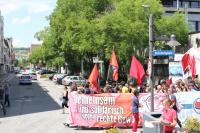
[[86, 89], [7, 93], [65, 99]]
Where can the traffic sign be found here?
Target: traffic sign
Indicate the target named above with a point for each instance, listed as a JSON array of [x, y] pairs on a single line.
[[163, 53]]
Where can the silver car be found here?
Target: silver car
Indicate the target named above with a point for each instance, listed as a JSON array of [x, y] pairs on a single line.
[[68, 80], [25, 79], [33, 76]]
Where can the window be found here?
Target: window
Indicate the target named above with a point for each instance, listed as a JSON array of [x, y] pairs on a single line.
[[198, 42], [175, 3], [192, 25], [75, 78], [198, 23], [194, 4], [185, 4]]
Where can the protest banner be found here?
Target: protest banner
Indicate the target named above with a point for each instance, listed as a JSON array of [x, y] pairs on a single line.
[[188, 105], [108, 109]]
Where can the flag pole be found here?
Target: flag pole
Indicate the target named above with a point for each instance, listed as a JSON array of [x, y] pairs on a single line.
[[108, 74]]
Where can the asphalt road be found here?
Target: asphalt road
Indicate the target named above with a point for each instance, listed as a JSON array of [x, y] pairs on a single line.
[[36, 109]]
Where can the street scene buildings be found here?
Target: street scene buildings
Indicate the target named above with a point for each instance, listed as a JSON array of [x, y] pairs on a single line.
[[6, 50]]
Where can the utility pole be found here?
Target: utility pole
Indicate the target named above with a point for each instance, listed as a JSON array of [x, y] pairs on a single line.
[[151, 39], [177, 5]]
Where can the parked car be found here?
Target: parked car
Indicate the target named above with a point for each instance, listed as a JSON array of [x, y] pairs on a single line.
[[65, 78], [59, 79], [45, 72], [56, 76], [33, 76], [25, 79], [70, 79], [51, 76]]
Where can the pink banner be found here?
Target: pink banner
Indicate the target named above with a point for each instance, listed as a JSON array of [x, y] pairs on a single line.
[[107, 109]]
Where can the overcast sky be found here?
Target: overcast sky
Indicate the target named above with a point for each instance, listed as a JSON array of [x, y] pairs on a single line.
[[23, 18]]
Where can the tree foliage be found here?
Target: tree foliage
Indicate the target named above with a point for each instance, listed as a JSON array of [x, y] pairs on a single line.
[[81, 29]]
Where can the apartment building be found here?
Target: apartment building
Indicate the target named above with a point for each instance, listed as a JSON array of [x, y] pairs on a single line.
[[190, 7], [1, 43], [6, 50]]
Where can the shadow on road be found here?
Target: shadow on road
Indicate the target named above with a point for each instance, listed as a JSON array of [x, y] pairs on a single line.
[[27, 99]]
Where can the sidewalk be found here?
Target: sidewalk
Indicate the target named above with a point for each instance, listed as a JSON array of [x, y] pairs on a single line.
[[7, 76]]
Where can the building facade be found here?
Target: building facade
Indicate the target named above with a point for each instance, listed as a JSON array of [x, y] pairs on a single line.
[[6, 50], [190, 7], [1, 43], [8, 55]]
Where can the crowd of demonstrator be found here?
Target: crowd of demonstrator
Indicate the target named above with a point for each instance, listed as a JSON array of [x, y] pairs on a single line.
[[170, 108]]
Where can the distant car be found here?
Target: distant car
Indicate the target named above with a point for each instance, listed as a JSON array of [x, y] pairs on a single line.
[[59, 79], [57, 76], [45, 72], [33, 76], [25, 79], [70, 79], [64, 80]]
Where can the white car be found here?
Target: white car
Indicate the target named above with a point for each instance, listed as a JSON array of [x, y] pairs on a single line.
[[64, 80], [25, 79], [33, 76], [70, 79]]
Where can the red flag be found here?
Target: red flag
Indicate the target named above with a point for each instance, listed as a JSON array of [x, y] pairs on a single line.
[[193, 67], [94, 76], [185, 61], [169, 81], [114, 64], [137, 70]]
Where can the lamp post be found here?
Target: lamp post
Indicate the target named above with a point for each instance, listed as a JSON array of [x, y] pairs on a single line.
[[151, 39], [150, 62], [171, 43]]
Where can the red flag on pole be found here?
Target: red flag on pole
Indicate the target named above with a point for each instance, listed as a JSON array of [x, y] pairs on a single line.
[[185, 61], [114, 65], [169, 81], [94, 76], [193, 67], [137, 70]]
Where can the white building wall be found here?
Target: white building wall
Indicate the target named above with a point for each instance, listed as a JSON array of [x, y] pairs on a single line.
[[193, 40]]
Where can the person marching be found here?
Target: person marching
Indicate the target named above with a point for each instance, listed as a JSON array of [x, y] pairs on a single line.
[[172, 97], [135, 110], [65, 99], [169, 116]]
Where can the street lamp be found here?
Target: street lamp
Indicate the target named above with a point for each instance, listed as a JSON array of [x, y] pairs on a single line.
[[150, 63], [152, 38], [173, 43]]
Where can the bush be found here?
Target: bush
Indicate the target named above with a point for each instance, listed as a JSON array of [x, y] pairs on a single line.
[[192, 124], [44, 76], [115, 130]]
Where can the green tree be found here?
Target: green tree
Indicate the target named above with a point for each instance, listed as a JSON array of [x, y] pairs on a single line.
[[81, 29]]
